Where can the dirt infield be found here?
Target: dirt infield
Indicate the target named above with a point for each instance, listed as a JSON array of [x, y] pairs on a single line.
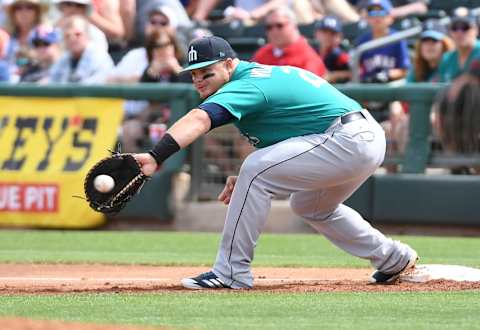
[[28, 324], [44, 278]]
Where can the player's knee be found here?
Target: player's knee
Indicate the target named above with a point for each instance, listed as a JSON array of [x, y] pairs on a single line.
[[310, 212], [250, 167]]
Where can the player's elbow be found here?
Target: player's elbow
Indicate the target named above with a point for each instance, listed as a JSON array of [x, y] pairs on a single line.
[[201, 119]]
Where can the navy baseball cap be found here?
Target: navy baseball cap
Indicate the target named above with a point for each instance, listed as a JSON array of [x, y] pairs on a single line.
[[331, 23], [433, 30], [378, 7], [44, 33], [206, 51]]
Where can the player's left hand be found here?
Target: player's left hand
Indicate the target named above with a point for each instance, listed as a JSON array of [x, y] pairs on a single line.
[[147, 163], [226, 193]]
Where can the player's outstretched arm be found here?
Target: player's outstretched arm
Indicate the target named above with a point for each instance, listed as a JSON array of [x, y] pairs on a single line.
[[190, 127], [182, 133]]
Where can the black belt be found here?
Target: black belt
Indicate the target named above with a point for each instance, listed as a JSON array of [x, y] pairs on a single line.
[[352, 116]]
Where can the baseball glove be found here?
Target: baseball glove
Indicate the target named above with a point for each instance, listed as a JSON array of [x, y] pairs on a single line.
[[128, 180]]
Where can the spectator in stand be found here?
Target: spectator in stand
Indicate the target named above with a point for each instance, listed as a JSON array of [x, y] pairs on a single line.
[[82, 62], [387, 63], [383, 65], [164, 66], [251, 12], [453, 117], [105, 14], [464, 31], [429, 49], [164, 58], [286, 46], [44, 41], [177, 15], [339, 8], [69, 8], [133, 64], [199, 10], [402, 8], [23, 17], [328, 32], [127, 13], [4, 67]]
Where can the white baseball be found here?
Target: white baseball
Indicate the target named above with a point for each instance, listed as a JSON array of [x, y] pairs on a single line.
[[104, 183]]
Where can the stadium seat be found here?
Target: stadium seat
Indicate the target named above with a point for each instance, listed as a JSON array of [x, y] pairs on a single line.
[[227, 30], [245, 47], [307, 30], [254, 31], [353, 30], [449, 5]]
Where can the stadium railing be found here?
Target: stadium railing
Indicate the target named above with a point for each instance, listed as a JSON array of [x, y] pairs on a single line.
[[183, 97]]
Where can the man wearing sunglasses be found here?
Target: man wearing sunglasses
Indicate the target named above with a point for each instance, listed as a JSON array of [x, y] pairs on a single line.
[[286, 46], [464, 31], [313, 144]]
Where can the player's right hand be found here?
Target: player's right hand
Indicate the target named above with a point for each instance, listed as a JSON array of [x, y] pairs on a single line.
[[226, 193]]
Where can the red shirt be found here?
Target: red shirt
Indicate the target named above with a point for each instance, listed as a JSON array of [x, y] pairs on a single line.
[[298, 54]]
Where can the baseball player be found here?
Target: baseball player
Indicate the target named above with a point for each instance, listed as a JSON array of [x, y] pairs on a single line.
[[313, 143]]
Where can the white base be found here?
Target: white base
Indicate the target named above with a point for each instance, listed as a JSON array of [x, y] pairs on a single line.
[[425, 273]]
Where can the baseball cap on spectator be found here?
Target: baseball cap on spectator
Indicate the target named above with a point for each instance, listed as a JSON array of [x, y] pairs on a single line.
[[432, 29], [12, 4], [206, 51], [165, 11], [378, 7], [86, 3], [45, 35], [80, 2], [462, 15], [330, 23]]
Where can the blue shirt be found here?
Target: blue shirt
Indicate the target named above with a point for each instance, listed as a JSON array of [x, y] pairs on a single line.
[[4, 71], [392, 56], [92, 68]]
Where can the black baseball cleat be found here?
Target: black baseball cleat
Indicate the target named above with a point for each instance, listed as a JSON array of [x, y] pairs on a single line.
[[206, 280], [379, 277]]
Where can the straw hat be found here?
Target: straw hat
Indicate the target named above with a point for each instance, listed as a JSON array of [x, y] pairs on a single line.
[[11, 4]]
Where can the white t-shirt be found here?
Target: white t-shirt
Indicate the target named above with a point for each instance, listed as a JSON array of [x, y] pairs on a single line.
[[132, 63]]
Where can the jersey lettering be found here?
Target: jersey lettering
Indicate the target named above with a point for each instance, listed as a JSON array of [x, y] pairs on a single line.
[[307, 76], [261, 71]]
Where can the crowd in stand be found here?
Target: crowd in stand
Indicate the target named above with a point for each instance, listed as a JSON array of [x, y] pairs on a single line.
[[118, 41], [130, 41]]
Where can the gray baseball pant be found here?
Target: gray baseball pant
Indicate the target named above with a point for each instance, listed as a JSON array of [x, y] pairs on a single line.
[[319, 172]]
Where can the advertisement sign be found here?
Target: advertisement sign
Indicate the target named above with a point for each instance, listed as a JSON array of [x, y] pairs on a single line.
[[48, 145]]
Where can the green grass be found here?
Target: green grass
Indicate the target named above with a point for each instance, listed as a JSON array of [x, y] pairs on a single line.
[[167, 248], [245, 310], [451, 310]]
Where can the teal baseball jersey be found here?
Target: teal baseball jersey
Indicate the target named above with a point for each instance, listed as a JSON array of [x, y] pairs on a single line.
[[274, 103], [450, 68]]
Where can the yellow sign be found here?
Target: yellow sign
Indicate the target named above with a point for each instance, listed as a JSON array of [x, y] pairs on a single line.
[[48, 145]]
